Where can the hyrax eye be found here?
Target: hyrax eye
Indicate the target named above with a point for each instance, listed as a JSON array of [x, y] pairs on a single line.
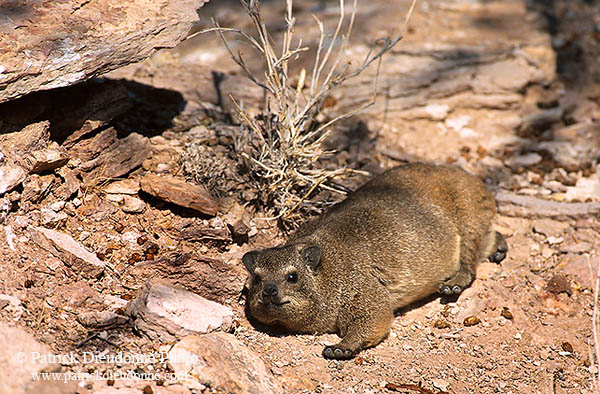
[[292, 277], [257, 278]]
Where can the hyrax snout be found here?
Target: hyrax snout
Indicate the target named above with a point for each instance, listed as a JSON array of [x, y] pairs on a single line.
[[410, 232]]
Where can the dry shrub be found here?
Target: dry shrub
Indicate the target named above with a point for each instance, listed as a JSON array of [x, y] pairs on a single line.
[[280, 150]]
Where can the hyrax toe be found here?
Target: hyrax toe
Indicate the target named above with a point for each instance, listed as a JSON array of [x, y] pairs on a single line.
[[457, 283], [445, 290], [450, 290], [497, 257]]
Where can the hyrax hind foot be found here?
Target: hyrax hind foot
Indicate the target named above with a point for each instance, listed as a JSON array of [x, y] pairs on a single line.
[[457, 283], [501, 249], [336, 353]]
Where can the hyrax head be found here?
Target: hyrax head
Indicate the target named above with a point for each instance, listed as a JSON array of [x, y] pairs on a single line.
[[282, 284]]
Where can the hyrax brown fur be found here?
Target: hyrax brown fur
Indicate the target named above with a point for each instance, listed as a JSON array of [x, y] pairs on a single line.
[[408, 233]]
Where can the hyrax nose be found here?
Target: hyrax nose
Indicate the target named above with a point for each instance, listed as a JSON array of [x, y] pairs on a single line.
[[270, 290]]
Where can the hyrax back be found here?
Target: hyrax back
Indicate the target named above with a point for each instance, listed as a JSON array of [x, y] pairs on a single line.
[[406, 234]]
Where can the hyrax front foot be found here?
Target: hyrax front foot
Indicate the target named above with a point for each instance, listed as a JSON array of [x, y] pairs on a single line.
[[501, 249], [362, 325], [457, 283], [335, 352]]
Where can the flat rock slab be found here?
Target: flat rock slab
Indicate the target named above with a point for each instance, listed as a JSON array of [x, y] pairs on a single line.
[[550, 228], [167, 313], [58, 43], [32, 137], [49, 159], [180, 192], [68, 250], [125, 186], [222, 362], [512, 204]]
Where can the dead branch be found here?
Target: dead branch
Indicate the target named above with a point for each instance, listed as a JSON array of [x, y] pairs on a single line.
[[287, 151]]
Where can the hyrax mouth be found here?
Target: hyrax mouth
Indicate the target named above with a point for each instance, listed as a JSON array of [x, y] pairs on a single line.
[[273, 302]]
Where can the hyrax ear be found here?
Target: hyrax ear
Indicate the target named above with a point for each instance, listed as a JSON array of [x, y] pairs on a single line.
[[249, 260], [312, 256]]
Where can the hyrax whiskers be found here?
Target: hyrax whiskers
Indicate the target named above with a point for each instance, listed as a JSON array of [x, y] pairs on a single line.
[[410, 232]]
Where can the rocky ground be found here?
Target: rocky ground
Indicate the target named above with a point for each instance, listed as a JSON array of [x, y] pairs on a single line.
[[110, 248]]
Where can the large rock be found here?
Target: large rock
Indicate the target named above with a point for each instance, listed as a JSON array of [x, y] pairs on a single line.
[[222, 362], [167, 313], [21, 356], [58, 43]]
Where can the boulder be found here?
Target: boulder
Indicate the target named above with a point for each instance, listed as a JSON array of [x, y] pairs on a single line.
[[59, 43], [222, 362]]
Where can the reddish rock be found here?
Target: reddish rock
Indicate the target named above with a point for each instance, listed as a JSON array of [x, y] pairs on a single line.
[[88, 149], [69, 185], [46, 160], [213, 279], [559, 284], [32, 137], [180, 192]]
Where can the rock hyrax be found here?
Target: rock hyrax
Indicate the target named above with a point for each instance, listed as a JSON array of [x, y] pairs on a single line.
[[410, 232]]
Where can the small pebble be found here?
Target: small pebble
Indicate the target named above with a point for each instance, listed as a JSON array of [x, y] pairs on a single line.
[[471, 321], [567, 347], [506, 313]]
